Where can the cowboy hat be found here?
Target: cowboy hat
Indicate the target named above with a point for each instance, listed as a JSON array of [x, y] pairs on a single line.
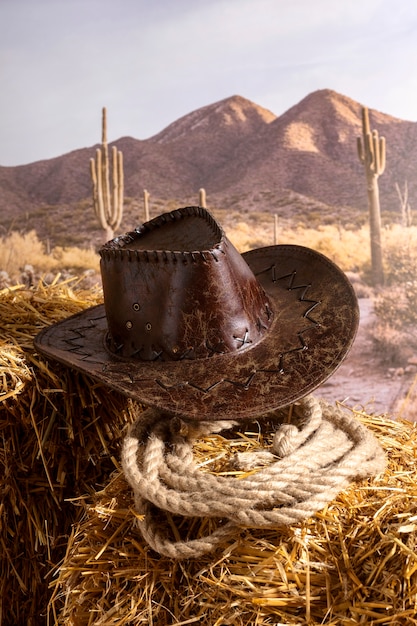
[[193, 328]]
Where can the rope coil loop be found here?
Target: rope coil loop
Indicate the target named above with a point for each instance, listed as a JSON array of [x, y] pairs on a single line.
[[301, 473]]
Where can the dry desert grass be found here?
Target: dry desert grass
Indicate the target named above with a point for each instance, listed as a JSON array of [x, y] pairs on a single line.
[[347, 247]]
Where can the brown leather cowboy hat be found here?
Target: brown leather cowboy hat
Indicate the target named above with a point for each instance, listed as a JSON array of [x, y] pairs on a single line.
[[193, 328]]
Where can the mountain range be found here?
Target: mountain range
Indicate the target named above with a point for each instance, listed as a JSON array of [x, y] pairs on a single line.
[[242, 154]]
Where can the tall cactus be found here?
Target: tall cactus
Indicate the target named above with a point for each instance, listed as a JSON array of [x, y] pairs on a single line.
[[107, 198], [146, 195], [202, 198], [371, 152]]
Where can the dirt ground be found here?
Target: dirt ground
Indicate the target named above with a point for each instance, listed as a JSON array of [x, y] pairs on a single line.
[[363, 382]]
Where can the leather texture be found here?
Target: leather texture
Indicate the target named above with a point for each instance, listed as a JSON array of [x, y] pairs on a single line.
[[189, 298], [193, 328]]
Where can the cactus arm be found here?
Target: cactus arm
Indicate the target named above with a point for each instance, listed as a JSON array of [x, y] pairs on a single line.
[[369, 153], [114, 215], [361, 152], [93, 176], [96, 175], [366, 128], [377, 156], [101, 207], [117, 162], [382, 155], [120, 187]]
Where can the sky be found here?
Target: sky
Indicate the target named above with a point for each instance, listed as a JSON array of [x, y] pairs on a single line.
[[150, 62]]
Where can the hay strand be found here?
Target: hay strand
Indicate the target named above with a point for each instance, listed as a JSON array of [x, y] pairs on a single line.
[[352, 562], [70, 549]]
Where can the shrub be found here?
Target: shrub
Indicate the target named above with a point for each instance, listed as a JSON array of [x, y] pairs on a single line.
[[392, 345], [20, 250], [395, 306], [17, 250]]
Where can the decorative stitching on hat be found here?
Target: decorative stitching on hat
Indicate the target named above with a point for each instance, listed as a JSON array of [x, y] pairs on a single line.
[[79, 349], [292, 287], [236, 383], [119, 246], [247, 383], [244, 340], [156, 256]]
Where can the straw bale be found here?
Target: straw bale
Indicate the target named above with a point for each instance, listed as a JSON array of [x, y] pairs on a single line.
[[71, 552], [60, 436], [354, 562]]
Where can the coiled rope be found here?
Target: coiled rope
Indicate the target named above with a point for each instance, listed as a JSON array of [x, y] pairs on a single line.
[[306, 467]]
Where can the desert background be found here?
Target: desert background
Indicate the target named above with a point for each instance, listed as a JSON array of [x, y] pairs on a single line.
[[292, 178]]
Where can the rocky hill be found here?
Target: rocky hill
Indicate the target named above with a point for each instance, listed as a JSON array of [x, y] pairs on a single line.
[[242, 154]]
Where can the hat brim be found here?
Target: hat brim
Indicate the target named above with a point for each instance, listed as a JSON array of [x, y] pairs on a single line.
[[315, 321]]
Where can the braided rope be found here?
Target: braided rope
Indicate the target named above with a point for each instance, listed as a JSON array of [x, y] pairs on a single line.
[[305, 469]]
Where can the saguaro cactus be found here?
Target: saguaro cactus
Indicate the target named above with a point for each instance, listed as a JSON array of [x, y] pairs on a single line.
[[202, 198], [107, 197], [371, 152], [146, 195]]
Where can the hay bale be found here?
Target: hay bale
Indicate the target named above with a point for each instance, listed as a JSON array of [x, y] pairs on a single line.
[[60, 435], [71, 552], [354, 562]]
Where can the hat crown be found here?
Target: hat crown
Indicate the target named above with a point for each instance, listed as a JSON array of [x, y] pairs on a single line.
[[176, 288]]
